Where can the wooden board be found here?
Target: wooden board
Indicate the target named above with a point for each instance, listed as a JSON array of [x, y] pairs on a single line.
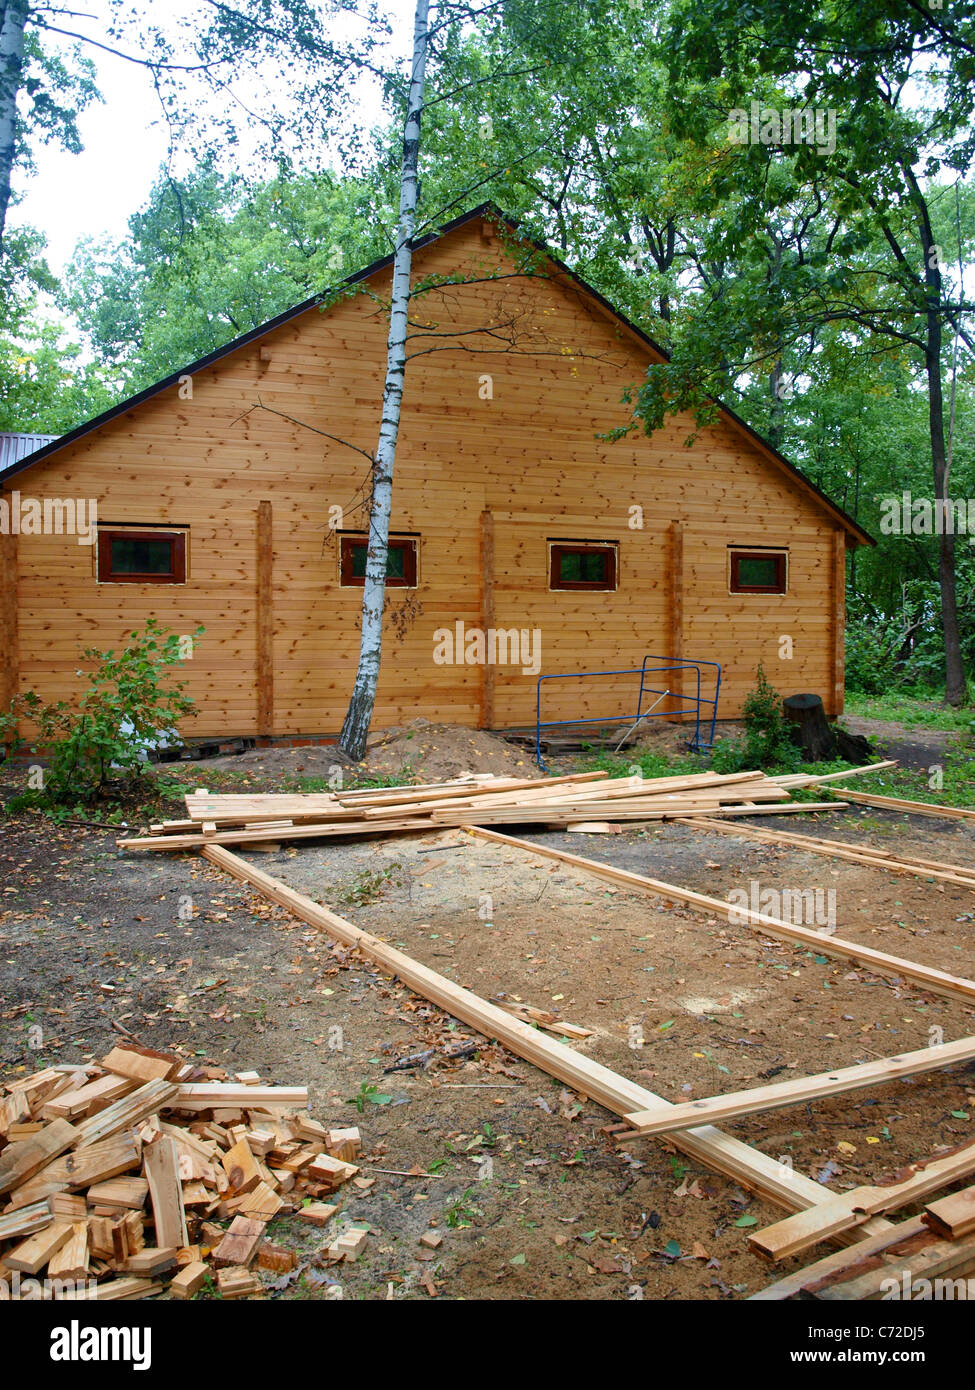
[[937, 981], [800, 1090], [165, 1191], [841, 1213], [265, 619], [755, 1170], [914, 808], [954, 1216], [837, 1263], [141, 1063], [21, 1160]]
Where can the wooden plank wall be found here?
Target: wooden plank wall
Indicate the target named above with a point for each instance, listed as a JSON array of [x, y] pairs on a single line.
[[511, 434]]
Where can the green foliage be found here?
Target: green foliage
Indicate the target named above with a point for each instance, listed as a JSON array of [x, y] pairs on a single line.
[[767, 739], [129, 705], [368, 1094], [212, 257], [767, 742], [914, 709], [369, 886]]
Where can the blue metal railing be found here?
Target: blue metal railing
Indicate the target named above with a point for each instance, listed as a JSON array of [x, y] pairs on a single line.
[[644, 690]]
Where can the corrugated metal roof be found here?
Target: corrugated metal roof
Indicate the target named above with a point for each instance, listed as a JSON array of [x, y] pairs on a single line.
[[14, 447]]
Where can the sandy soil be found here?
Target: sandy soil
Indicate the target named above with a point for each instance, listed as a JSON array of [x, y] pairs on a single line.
[[533, 1198]]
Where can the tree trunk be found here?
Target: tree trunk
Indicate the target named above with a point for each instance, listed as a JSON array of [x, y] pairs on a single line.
[[13, 21], [812, 730], [819, 740], [359, 714], [955, 690]]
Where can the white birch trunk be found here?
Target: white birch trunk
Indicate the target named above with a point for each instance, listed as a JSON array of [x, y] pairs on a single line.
[[359, 714], [13, 21]]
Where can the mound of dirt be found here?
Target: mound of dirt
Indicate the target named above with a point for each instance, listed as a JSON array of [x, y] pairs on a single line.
[[433, 752], [418, 751]]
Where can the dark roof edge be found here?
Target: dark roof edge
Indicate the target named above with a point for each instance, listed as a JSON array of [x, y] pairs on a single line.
[[485, 209]]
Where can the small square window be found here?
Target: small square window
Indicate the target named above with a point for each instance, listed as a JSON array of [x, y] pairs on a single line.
[[400, 561], [758, 571], [582, 565], [141, 557]]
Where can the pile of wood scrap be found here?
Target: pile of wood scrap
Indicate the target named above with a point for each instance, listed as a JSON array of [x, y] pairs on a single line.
[[114, 1177], [899, 1261], [587, 800]]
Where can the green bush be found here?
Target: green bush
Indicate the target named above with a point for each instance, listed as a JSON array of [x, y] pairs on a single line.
[[103, 736], [768, 741]]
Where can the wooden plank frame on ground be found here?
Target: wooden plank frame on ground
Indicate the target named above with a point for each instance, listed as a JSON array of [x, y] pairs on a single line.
[[879, 962], [774, 1181], [670, 1122]]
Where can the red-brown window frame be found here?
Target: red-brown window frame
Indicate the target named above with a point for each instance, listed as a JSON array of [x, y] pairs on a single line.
[[177, 540], [781, 558], [409, 545], [559, 548]]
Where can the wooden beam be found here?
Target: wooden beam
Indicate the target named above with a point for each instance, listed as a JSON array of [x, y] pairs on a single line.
[[834, 849], [774, 1181], [937, 981], [839, 1261], [487, 616], [838, 623], [849, 1209], [952, 1216], [9, 617], [161, 1166], [265, 620], [676, 678], [940, 1260], [801, 1089], [914, 808]]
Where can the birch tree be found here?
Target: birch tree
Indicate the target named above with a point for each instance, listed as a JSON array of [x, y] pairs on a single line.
[[359, 714]]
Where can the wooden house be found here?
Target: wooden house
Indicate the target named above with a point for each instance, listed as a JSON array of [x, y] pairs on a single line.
[[229, 495]]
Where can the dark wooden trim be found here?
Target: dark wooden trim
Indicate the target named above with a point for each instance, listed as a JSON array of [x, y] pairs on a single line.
[[177, 572], [557, 549], [736, 554], [265, 620], [408, 544]]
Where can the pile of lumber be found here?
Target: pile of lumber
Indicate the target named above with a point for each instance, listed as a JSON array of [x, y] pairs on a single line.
[[118, 1180], [898, 1262], [585, 800]]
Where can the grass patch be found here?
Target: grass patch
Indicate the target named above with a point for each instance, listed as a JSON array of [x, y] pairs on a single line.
[[914, 712]]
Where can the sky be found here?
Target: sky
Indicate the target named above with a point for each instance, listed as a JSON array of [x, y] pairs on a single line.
[[92, 194]]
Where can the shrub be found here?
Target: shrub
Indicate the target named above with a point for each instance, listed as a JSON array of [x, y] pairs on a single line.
[[127, 708]]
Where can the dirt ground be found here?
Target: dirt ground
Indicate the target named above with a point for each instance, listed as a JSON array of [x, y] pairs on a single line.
[[533, 1198]]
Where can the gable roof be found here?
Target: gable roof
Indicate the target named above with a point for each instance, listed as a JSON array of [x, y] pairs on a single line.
[[483, 210]]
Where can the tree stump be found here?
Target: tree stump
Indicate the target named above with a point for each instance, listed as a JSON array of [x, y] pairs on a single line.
[[817, 738], [811, 727]]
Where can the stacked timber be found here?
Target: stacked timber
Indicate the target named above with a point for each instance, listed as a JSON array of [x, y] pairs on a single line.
[[142, 1174], [588, 800], [903, 1260]]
